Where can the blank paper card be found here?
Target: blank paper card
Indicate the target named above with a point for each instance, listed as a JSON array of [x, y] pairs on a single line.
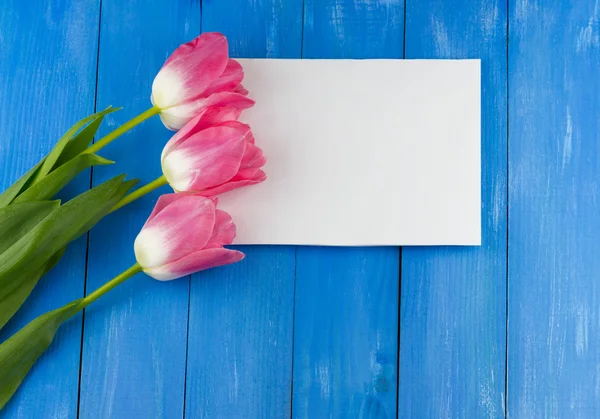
[[363, 153]]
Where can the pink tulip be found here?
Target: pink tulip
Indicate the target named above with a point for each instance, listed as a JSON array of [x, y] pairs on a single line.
[[213, 154], [198, 74], [185, 234]]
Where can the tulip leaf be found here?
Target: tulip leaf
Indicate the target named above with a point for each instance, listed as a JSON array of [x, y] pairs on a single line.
[[67, 148], [81, 141], [15, 221], [62, 226], [54, 155], [14, 294], [22, 350], [48, 186], [23, 263], [15, 189], [13, 297], [18, 219]]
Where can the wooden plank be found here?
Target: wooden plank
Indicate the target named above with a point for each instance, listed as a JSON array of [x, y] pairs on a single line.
[[240, 330], [346, 333], [47, 83], [453, 315], [134, 338], [346, 318], [554, 291]]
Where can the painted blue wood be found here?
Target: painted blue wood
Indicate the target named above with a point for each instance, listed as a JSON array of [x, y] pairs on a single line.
[[134, 343], [453, 317], [346, 312], [240, 331], [554, 269], [47, 83], [453, 300], [346, 333]]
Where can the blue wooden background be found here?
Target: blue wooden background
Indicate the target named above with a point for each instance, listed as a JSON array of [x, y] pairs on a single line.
[[507, 329]]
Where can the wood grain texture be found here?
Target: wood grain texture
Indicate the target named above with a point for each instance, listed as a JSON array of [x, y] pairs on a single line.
[[346, 333], [135, 337], [346, 313], [554, 288], [453, 317], [47, 83], [240, 330]]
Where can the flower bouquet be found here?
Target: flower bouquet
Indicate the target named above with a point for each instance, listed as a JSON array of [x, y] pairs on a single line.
[[198, 93]]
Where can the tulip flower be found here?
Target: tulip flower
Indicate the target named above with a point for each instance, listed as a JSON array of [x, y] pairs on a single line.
[[210, 156], [185, 234], [198, 74], [199, 91]]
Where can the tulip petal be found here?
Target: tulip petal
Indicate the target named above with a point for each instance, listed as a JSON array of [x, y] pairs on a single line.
[[252, 173], [210, 116], [223, 232], [194, 262], [229, 80], [233, 99], [238, 125], [161, 203], [178, 116], [241, 90], [172, 122], [226, 187], [190, 70], [167, 199], [250, 138], [256, 176], [253, 157], [206, 40], [205, 159], [184, 225], [215, 115]]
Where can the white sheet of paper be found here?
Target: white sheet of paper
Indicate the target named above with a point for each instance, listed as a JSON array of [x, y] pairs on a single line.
[[363, 152]]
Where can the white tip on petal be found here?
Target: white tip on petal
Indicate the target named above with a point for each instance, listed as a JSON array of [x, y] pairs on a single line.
[[167, 89], [150, 248], [171, 122], [175, 117], [177, 169], [161, 274]]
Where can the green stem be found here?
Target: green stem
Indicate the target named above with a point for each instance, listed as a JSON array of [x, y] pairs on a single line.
[[122, 277], [108, 138], [155, 184]]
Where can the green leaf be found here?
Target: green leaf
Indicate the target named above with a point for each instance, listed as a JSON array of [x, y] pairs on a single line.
[[52, 183], [66, 149], [62, 226], [53, 156], [18, 219], [22, 350], [9, 194], [81, 141], [19, 264], [14, 294]]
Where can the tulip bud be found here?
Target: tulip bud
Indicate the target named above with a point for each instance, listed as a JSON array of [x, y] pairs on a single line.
[[185, 234], [197, 75], [213, 154]]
